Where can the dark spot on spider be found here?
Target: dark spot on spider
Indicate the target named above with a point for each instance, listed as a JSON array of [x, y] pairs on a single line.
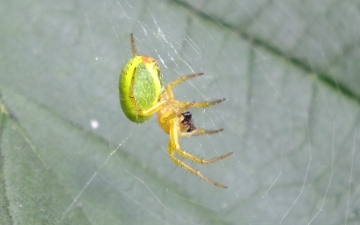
[[188, 121]]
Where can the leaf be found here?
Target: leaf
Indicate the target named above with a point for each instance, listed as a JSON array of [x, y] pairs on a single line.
[[287, 69]]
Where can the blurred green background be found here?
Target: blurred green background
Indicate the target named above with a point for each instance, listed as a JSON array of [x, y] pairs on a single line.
[[289, 71]]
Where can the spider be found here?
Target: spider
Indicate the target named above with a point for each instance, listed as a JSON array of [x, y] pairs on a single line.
[[142, 93]]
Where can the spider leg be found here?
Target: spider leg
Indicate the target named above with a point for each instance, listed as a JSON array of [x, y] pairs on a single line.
[[202, 104], [174, 139], [200, 160], [133, 50], [182, 79], [199, 131], [151, 110], [196, 131], [189, 168], [174, 146], [177, 113]]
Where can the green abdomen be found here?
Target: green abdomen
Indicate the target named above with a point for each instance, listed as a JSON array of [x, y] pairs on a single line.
[[146, 84]]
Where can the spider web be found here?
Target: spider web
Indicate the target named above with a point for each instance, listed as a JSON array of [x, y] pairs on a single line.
[[290, 115]]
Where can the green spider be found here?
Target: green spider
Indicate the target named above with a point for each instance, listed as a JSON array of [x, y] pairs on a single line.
[[142, 93]]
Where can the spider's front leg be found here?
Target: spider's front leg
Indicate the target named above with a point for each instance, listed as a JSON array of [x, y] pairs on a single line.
[[174, 146], [192, 130], [187, 124], [198, 131], [202, 104]]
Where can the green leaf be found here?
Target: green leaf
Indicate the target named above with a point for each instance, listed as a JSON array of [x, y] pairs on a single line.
[[288, 71]]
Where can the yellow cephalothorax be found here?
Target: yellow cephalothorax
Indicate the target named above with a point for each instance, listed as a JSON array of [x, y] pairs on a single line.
[[142, 93]]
